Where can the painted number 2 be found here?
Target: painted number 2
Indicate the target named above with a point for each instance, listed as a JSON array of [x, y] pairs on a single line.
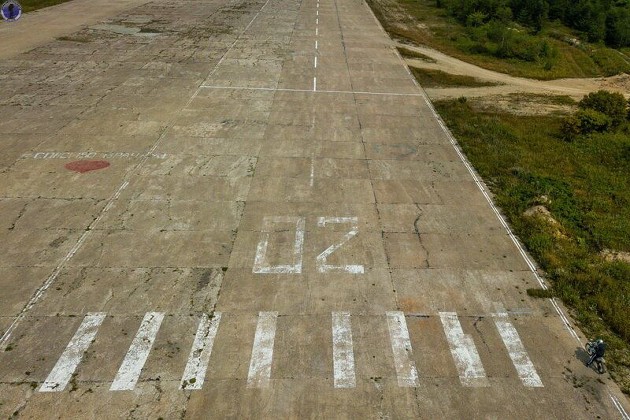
[[262, 266]]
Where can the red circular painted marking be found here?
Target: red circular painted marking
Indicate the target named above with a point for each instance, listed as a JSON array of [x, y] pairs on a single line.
[[82, 166]]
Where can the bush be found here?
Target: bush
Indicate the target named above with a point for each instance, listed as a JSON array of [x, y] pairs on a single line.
[[593, 121], [613, 105], [585, 121]]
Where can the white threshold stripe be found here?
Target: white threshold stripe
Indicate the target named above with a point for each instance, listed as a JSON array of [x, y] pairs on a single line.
[[464, 352], [195, 371], [401, 349], [524, 366], [67, 364], [343, 353], [262, 351], [348, 92], [138, 352]]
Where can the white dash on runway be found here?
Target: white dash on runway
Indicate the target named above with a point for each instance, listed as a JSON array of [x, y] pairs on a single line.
[[317, 21], [195, 372], [524, 366], [401, 348], [316, 31], [314, 84], [316, 44], [464, 352], [61, 374], [138, 352], [315, 62], [343, 353], [262, 351]]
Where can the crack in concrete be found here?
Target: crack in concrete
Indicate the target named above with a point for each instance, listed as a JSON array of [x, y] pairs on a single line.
[[417, 230]]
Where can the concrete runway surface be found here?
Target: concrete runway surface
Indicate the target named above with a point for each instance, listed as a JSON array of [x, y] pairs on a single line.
[[228, 209]]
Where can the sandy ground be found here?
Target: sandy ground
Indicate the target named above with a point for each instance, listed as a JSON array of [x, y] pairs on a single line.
[[576, 88]]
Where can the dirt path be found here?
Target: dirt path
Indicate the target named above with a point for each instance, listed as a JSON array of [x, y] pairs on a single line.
[[42, 26], [575, 88]]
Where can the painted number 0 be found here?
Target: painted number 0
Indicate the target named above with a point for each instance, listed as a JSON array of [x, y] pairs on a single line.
[[261, 265]]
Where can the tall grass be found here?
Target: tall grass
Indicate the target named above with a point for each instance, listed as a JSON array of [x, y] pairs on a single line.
[[585, 184]]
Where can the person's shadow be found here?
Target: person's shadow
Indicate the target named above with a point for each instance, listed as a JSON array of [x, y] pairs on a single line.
[[582, 355]]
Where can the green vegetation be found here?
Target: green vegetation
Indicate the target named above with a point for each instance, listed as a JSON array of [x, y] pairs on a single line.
[[599, 112], [437, 78], [584, 184], [407, 53], [30, 5], [595, 20], [501, 38]]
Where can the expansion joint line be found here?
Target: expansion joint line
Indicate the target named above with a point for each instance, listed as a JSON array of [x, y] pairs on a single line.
[[41, 291]]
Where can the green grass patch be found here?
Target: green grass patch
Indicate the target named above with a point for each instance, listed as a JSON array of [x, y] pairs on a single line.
[[422, 23], [585, 186], [540, 293], [407, 53], [437, 78], [30, 5]]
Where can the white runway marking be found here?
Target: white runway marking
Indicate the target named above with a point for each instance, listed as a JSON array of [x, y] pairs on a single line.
[[464, 352], [316, 44], [619, 407], [195, 372], [262, 351], [316, 62], [314, 84], [401, 348], [261, 265], [316, 31], [312, 182], [524, 366], [343, 353], [61, 374], [345, 92], [138, 352], [322, 265]]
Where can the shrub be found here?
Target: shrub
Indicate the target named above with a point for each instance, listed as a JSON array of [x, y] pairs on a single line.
[[592, 120], [613, 105]]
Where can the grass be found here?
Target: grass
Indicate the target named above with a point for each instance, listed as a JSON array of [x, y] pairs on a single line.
[[420, 22], [30, 5], [407, 53], [585, 186], [437, 78]]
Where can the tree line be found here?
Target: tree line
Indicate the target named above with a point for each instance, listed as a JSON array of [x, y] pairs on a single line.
[[605, 21]]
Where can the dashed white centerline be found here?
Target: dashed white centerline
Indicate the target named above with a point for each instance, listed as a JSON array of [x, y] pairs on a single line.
[[316, 31], [314, 84], [316, 45], [524, 366], [401, 349], [195, 372], [343, 353], [464, 352], [315, 61], [61, 374], [136, 357], [262, 351]]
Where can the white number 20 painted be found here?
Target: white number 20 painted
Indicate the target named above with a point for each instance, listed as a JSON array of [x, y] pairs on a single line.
[[261, 265]]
